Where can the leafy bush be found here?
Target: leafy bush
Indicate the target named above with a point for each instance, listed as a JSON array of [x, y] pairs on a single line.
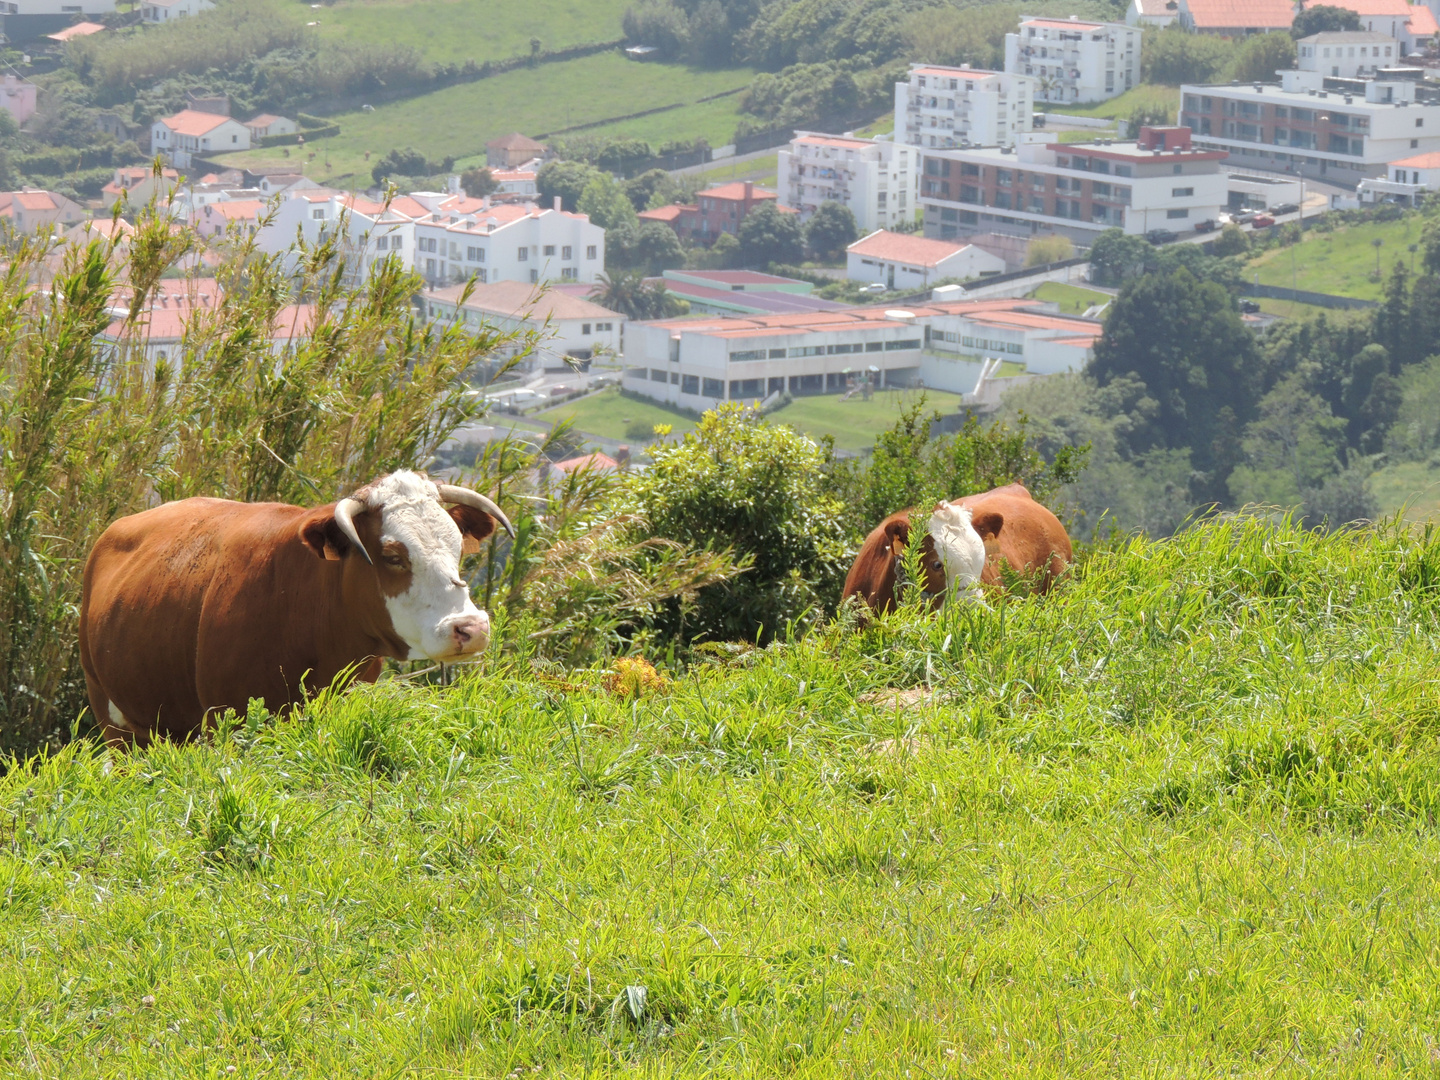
[[755, 491]]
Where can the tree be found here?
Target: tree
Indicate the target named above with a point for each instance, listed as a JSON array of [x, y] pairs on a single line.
[[1174, 56], [1184, 340], [1262, 55], [567, 179], [479, 182], [643, 189], [604, 201], [1233, 240], [658, 249], [768, 236], [1415, 434], [1323, 19], [622, 155], [831, 230], [621, 292], [1049, 249], [406, 162], [1116, 256]]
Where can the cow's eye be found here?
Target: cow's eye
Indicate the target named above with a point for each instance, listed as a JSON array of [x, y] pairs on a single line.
[[393, 560], [937, 565]]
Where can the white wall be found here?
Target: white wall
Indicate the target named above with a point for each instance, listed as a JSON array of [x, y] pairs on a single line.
[[517, 251]]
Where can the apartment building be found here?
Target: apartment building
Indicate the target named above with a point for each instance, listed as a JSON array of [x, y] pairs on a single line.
[[875, 178], [365, 230], [1074, 60], [1312, 124], [1160, 181], [1349, 54], [463, 237], [945, 107], [697, 363]]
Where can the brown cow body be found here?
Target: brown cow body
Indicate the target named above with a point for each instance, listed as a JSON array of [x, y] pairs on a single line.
[[1017, 531], [200, 605]]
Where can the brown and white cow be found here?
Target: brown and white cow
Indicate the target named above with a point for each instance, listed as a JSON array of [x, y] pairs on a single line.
[[968, 541], [200, 605]]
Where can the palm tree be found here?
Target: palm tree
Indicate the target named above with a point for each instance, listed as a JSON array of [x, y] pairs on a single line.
[[623, 292]]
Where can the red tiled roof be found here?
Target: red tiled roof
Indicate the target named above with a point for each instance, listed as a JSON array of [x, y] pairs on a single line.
[[1062, 24], [1224, 14], [876, 315], [80, 29], [236, 208], [36, 200], [736, 190], [667, 214], [1422, 22], [597, 461], [514, 141], [1420, 161], [263, 120], [901, 247], [192, 123], [954, 73]]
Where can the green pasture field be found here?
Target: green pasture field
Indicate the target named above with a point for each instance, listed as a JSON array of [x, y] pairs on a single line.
[[1073, 300], [610, 413], [459, 120], [855, 423], [1341, 262], [763, 170], [1411, 486], [1176, 819], [1146, 95], [454, 31]]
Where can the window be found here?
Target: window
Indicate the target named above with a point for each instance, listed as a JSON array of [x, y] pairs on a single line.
[[743, 388], [1177, 170], [534, 275], [689, 384], [1419, 121], [585, 329], [599, 326], [481, 275], [1414, 143], [565, 252], [636, 372], [549, 249], [382, 243], [659, 375], [903, 343], [590, 252], [777, 354], [430, 266], [875, 346], [807, 350], [474, 254], [1124, 170], [1174, 214], [521, 254], [567, 273], [748, 354], [1182, 192], [714, 388]]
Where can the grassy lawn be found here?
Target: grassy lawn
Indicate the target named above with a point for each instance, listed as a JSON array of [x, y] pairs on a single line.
[[1073, 300], [763, 170], [1176, 819], [459, 120], [1146, 95], [1410, 485], [453, 31], [882, 125], [1293, 309], [613, 415], [1341, 262], [855, 423]]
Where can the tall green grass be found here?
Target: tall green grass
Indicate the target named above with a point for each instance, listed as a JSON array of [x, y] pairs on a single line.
[[1175, 819]]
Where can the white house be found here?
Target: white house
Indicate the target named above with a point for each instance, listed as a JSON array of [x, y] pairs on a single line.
[[367, 231], [1412, 25], [1408, 182], [517, 183], [1346, 54], [567, 325], [267, 124], [905, 261], [32, 210], [950, 106], [875, 178], [462, 237], [696, 363], [188, 133], [1160, 181], [160, 11], [17, 97], [1157, 13], [1075, 60]]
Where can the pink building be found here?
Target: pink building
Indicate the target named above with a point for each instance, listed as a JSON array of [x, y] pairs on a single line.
[[17, 97]]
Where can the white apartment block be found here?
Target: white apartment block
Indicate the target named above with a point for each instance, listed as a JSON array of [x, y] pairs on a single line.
[[1348, 54], [946, 107], [1074, 60], [463, 238], [1301, 127], [876, 179], [366, 231], [1074, 189], [697, 363]]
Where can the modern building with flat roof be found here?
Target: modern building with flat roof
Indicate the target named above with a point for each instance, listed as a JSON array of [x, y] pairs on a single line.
[[697, 363], [1075, 60], [961, 106]]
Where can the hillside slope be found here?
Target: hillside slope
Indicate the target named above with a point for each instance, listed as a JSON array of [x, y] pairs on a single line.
[[1178, 819]]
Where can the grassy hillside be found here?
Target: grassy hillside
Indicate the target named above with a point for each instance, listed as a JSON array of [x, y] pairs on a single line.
[[1341, 262], [1176, 820], [1073, 299], [459, 120], [1145, 96], [453, 31]]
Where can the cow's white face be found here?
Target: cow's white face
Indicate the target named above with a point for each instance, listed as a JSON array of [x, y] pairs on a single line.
[[419, 571], [959, 547]]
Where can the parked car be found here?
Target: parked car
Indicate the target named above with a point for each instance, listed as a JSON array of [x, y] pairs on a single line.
[[1249, 307], [1285, 208], [1161, 236], [874, 287], [1243, 217], [1205, 226], [1261, 221]]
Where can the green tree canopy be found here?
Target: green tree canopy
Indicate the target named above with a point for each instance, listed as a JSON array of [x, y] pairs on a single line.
[[831, 230], [1322, 19], [769, 236], [477, 183], [568, 179]]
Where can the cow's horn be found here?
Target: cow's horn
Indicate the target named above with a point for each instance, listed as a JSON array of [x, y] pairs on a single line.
[[345, 511], [465, 497]]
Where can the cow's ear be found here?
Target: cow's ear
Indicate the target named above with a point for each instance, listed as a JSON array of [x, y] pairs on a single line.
[[321, 535], [475, 525], [988, 524], [897, 532]]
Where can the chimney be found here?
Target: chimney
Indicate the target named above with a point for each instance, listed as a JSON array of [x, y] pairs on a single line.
[[749, 190], [557, 202], [485, 203], [622, 456]]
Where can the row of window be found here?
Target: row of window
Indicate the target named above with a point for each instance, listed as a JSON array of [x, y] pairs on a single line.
[[797, 351], [477, 254], [987, 344]]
